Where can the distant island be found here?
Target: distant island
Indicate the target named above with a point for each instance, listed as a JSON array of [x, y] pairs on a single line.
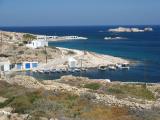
[[123, 29]]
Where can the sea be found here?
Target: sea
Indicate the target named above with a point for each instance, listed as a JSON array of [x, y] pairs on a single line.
[[141, 47]]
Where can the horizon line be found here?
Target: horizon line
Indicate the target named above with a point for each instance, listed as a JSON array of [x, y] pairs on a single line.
[[81, 25]]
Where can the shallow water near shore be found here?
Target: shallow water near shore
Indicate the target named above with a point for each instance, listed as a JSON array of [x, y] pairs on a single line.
[[131, 75], [142, 47]]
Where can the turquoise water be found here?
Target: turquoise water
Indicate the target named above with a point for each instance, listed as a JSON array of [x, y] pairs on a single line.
[[141, 47]]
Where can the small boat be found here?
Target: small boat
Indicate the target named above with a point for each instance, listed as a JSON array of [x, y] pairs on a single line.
[[34, 71], [83, 69], [71, 70], [125, 66], [102, 68], [112, 67], [40, 71], [64, 70], [59, 71], [53, 71], [119, 66], [46, 71], [77, 70]]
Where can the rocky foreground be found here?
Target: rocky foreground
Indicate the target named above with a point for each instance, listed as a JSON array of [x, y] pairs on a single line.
[[131, 100]]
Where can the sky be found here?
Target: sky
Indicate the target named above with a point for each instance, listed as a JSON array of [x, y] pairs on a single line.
[[79, 12]]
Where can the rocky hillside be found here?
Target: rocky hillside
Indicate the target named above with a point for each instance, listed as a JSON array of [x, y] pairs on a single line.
[[18, 53], [75, 98], [11, 37]]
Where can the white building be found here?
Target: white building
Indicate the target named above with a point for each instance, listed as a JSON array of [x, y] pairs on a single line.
[[4, 65], [26, 66], [72, 63], [40, 42]]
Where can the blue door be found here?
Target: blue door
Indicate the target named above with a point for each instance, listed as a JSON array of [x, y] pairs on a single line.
[[27, 66]]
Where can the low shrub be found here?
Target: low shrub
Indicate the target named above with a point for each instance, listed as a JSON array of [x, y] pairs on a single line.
[[137, 91], [72, 97], [21, 104], [115, 91], [20, 52], [71, 52], [25, 42], [4, 104], [93, 86], [20, 44], [87, 96]]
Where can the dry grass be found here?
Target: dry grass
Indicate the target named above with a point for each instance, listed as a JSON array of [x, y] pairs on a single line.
[[106, 113], [41, 103], [132, 90], [18, 53], [139, 91]]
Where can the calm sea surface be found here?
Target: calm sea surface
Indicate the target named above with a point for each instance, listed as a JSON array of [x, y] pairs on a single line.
[[142, 47]]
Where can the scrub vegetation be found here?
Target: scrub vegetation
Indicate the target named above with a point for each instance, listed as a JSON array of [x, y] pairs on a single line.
[[93, 86], [136, 91], [139, 91], [28, 37], [57, 104]]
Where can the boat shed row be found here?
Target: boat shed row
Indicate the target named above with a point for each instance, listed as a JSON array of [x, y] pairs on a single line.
[[26, 66], [6, 66]]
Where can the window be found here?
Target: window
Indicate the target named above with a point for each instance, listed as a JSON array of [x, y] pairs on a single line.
[[19, 66], [34, 65]]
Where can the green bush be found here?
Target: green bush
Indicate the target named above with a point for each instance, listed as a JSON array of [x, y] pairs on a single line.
[[71, 52], [87, 96], [20, 44], [115, 91], [93, 86], [24, 102], [72, 97], [28, 37], [21, 104], [25, 42], [20, 52], [4, 104], [137, 91]]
